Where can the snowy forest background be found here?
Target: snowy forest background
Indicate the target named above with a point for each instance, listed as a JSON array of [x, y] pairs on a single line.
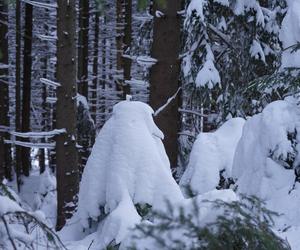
[[149, 124]]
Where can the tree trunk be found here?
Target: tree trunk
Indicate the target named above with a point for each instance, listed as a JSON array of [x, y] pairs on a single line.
[[83, 47], [119, 44], [18, 90], [26, 100], [95, 66], [164, 75], [66, 151], [5, 163], [127, 45]]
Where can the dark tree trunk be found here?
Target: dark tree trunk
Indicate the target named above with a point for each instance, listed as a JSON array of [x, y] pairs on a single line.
[[164, 75], [26, 100], [95, 66], [103, 73], [18, 89], [83, 47], [66, 151], [127, 45], [5, 160], [119, 44]]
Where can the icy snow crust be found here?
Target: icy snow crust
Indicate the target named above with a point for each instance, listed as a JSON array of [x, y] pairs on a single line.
[[128, 165], [211, 153]]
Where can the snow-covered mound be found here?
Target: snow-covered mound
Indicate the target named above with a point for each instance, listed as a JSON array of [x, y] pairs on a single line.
[[266, 162], [290, 35], [212, 153], [128, 166]]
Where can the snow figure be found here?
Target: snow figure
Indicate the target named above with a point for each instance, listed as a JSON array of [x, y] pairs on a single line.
[[128, 167], [212, 157]]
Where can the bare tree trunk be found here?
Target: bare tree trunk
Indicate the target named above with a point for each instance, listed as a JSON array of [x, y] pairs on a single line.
[[164, 75], [103, 73], [119, 43], [95, 66], [127, 44], [83, 47], [26, 100], [5, 159], [18, 89], [66, 151]]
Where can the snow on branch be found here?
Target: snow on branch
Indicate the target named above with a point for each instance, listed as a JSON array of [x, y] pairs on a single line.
[[192, 112], [40, 4], [47, 38], [4, 128], [37, 135], [31, 144], [146, 61], [4, 66], [50, 83], [167, 103]]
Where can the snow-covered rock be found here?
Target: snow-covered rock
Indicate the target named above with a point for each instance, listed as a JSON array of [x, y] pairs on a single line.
[[267, 158], [128, 166], [212, 153]]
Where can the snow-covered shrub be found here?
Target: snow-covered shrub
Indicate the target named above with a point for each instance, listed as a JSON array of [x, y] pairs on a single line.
[[211, 158], [21, 229], [267, 160], [128, 167], [290, 35], [215, 220]]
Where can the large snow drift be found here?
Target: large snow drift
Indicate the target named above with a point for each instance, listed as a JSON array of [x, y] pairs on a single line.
[[267, 159], [128, 166], [212, 153]]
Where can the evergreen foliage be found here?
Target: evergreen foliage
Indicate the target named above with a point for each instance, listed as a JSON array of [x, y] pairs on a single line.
[[245, 224]]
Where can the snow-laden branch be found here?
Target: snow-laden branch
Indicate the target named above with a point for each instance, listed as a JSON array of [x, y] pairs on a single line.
[[167, 103], [136, 82], [4, 128], [51, 100], [31, 144], [143, 18], [40, 4], [37, 135], [50, 83], [191, 112], [220, 34], [146, 61], [47, 38], [4, 66]]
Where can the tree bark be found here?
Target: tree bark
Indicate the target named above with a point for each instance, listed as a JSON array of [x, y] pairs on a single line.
[[26, 100], [18, 89], [127, 46], [119, 44], [83, 47], [95, 66], [66, 151], [164, 75], [5, 161]]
